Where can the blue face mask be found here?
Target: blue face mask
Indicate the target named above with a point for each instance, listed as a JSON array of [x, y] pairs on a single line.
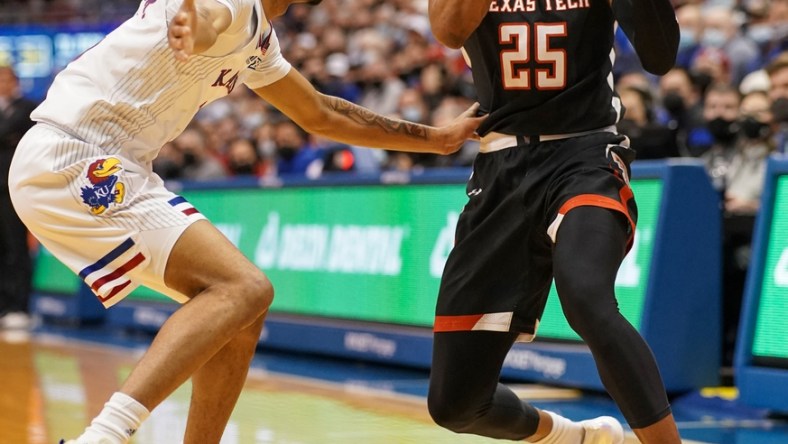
[[760, 34], [412, 113], [713, 38], [687, 38]]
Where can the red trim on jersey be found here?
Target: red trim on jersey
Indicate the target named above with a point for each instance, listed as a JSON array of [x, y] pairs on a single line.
[[190, 211], [456, 323]]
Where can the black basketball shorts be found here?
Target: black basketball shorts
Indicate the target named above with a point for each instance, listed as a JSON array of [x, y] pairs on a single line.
[[499, 273]]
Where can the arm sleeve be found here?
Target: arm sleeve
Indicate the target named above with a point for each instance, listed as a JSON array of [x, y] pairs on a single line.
[[652, 28], [269, 67]]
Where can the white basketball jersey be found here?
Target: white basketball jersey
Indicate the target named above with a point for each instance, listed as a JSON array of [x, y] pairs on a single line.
[[128, 93]]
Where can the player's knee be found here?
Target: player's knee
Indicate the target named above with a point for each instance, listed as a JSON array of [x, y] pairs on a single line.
[[263, 292], [451, 415], [258, 294], [585, 310]]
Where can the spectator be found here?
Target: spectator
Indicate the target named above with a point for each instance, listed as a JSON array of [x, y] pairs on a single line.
[[649, 139], [681, 100], [691, 30], [265, 145], [768, 27], [443, 114], [412, 107], [198, 162], [747, 168], [721, 114], [339, 158], [711, 65], [721, 30], [16, 266], [294, 154], [381, 88], [778, 94], [337, 68], [169, 164], [243, 159]]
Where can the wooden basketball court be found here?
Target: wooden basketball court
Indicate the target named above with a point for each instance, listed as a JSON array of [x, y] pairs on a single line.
[[55, 381]]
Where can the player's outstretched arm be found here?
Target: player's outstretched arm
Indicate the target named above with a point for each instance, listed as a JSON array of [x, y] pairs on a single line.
[[452, 21], [196, 26], [346, 122], [652, 28]]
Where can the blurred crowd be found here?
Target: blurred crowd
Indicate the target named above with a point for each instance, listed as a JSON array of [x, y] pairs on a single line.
[[380, 55], [725, 102]]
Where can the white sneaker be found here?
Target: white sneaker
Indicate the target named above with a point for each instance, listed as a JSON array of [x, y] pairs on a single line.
[[16, 321], [603, 430]]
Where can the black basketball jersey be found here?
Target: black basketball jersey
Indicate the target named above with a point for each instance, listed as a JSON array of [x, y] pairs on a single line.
[[545, 66]]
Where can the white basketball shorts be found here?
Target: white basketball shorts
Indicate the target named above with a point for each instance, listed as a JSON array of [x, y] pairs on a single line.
[[105, 216]]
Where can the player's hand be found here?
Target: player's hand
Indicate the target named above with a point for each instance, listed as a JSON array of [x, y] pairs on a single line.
[[180, 34], [462, 128]]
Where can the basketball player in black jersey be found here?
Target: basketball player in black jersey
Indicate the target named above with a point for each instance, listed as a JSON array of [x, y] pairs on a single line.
[[549, 197]]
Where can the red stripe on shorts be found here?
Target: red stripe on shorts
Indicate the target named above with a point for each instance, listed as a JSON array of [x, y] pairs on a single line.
[[456, 323], [595, 200], [125, 268], [114, 291]]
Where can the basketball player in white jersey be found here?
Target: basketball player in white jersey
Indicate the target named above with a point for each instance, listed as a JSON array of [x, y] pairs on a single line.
[[82, 182]]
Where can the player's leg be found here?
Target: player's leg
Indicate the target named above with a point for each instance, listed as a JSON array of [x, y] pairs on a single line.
[[465, 395], [590, 246], [212, 403], [213, 336]]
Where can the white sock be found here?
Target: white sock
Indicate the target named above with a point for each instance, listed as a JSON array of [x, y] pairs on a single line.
[[564, 430], [117, 422]]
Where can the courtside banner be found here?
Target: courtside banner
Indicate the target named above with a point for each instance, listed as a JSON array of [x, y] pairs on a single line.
[[356, 263], [771, 330], [761, 347], [371, 253]]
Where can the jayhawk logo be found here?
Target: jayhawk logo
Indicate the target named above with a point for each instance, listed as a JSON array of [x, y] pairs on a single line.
[[105, 188]]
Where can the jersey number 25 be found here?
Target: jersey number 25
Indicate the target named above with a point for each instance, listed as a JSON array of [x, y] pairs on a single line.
[[520, 35]]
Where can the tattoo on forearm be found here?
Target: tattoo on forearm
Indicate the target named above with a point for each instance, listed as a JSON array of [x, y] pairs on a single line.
[[366, 117]]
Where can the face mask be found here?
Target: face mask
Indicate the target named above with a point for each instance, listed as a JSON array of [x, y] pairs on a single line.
[[242, 168], [701, 79], [761, 34], [166, 168], [779, 110], [253, 120], [673, 103], [713, 38], [287, 152], [189, 159], [266, 148], [724, 131], [687, 38], [412, 113], [754, 129]]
